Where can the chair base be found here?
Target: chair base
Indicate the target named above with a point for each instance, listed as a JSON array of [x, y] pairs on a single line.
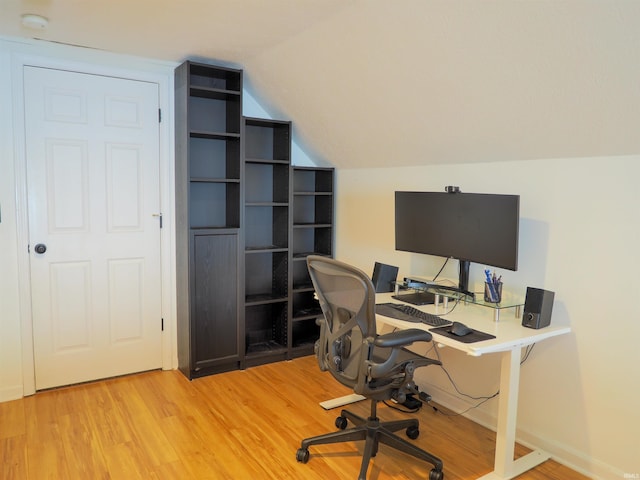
[[373, 432]]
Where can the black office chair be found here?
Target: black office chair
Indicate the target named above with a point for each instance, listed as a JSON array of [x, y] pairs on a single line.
[[375, 366]]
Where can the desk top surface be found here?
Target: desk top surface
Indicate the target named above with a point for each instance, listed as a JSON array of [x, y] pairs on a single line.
[[509, 332]]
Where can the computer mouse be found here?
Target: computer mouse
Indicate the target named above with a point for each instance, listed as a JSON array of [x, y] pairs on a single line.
[[460, 329]]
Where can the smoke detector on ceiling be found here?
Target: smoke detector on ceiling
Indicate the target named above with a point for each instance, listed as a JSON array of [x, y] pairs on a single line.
[[32, 20]]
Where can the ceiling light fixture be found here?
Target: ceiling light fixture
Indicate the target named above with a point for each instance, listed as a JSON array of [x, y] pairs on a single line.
[[37, 22]]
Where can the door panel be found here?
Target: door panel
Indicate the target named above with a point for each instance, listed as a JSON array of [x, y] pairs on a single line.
[[126, 299], [215, 335], [93, 189], [70, 285], [124, 202], [67, 188]]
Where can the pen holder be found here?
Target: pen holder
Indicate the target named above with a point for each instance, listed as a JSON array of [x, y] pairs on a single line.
[[493, 292]]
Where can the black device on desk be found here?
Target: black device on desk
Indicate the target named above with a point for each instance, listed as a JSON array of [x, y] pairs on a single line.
[[421, 296], [410, 314], [417, 298], [460, 329], [470, 227], [384, 276], [462, 333]]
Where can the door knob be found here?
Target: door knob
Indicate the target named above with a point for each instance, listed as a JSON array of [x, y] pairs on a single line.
[[40, 248]]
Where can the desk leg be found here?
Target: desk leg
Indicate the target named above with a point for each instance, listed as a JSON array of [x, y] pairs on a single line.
[[504, 465]]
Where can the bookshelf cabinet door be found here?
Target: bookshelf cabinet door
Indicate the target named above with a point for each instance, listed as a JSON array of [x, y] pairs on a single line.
[[215, 307]]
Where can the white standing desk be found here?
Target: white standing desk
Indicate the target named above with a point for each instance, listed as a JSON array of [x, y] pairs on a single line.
[[511, 336]]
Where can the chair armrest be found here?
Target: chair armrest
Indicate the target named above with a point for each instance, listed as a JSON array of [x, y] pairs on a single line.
[[402, 338]]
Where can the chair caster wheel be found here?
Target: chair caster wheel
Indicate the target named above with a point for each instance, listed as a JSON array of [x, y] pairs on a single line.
[[436, 474], [413, 433], [341, 423], [302, 455]]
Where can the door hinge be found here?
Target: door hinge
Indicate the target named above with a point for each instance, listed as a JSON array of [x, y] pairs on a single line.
[[162, 324], [159, 115]]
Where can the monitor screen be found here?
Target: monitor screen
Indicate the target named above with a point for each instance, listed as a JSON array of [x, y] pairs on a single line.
[[471, 227]]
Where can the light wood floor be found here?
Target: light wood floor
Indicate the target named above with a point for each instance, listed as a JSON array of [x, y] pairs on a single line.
[[238, 425]]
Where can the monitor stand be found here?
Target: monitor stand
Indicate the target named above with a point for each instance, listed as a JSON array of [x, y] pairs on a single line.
[[417, 298]]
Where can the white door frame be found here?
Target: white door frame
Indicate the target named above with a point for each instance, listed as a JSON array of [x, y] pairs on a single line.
[[114, 66]]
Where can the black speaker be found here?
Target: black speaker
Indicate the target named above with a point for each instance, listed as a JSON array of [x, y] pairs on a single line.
[[383, 277], [538, 305]]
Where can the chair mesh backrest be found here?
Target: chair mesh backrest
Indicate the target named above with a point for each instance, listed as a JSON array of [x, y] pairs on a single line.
[[347, 299]]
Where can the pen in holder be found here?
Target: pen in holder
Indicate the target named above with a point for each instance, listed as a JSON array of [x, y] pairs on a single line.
[[493, 292]]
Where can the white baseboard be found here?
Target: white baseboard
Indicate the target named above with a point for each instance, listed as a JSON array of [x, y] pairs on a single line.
[[11, 393], [568, 456], [341, 401]]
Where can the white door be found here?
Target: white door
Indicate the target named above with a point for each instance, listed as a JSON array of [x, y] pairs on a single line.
[[92, 148]]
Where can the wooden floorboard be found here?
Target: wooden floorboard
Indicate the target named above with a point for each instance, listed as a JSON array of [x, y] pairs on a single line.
[[238, 425]]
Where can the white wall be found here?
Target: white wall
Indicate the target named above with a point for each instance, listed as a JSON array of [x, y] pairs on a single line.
[[579, 237], [10, 352]]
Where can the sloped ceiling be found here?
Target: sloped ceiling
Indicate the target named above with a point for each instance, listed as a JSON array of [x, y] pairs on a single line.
[[372, 83]]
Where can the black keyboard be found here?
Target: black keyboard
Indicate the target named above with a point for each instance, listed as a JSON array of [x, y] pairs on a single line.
[[410, 314]]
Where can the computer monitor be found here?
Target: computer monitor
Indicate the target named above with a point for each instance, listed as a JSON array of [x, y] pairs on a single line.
[[470, 227]]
